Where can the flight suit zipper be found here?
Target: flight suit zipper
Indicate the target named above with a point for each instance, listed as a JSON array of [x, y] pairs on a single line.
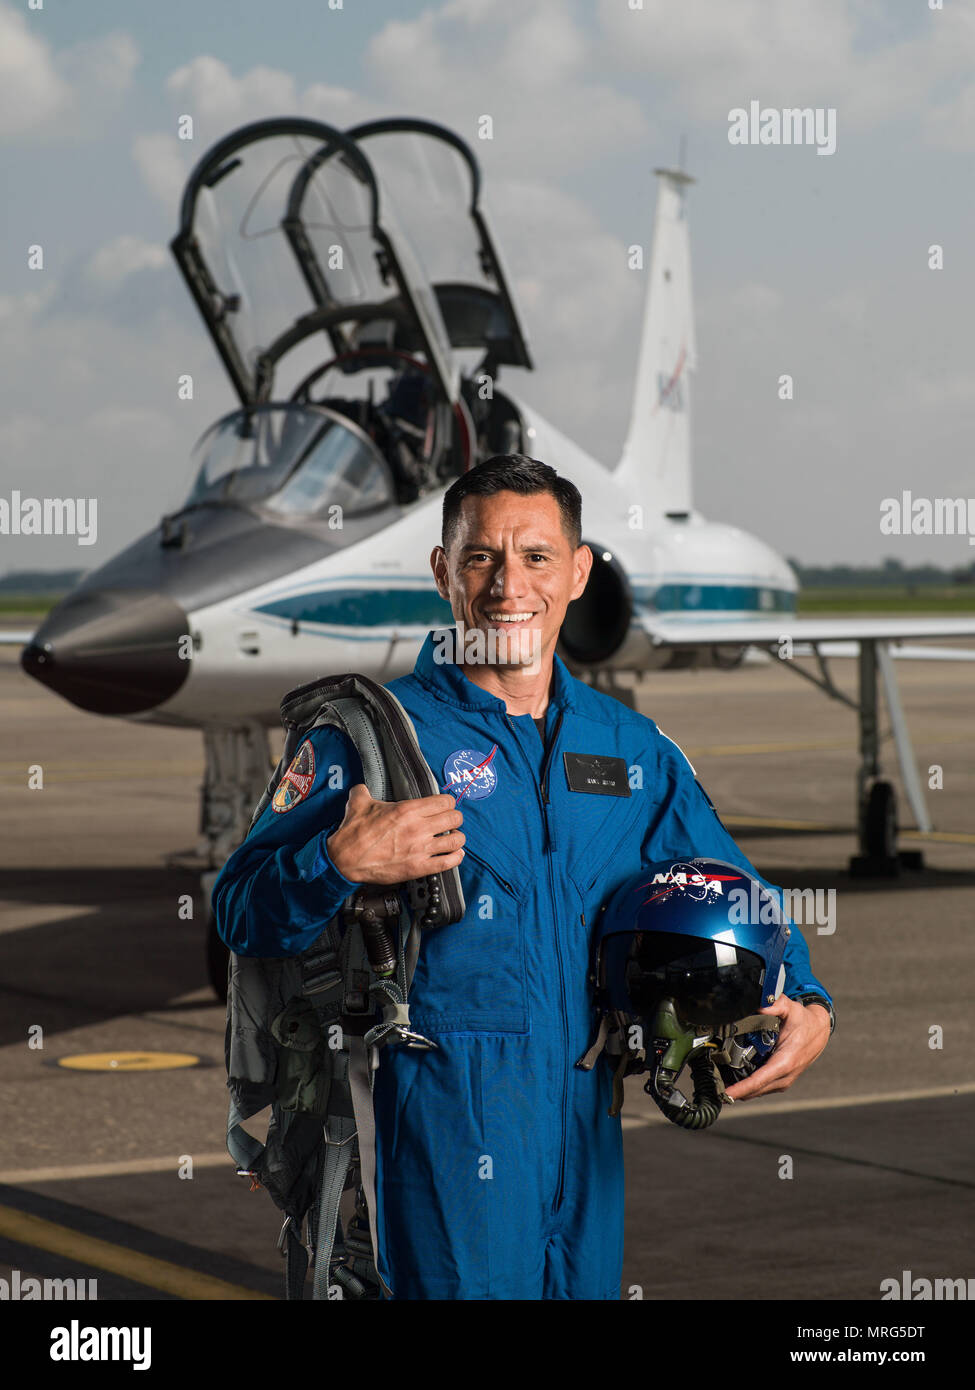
[[469, 854], [550, 845]]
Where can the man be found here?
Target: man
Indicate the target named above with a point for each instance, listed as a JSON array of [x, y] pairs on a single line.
[[499, 1171]]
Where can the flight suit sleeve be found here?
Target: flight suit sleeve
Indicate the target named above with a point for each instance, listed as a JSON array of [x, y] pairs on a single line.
[[279, 888], [685, 820]]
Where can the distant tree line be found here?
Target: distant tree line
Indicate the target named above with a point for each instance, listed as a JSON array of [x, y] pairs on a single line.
[[889, 574], [39, 581]]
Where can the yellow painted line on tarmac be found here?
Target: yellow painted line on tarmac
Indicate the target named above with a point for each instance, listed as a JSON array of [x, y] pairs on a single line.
[[128, 1061], [724, 750], [949, 837], [770, 823], [17, 1177], [40, 1234], [744, 1107], [95, 764], [730, 750], [56, 772], [938, 836]]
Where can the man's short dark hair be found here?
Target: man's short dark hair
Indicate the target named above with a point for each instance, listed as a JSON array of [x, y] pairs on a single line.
[[513, 473]]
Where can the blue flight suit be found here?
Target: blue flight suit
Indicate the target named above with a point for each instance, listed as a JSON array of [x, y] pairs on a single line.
[[499, 1171]]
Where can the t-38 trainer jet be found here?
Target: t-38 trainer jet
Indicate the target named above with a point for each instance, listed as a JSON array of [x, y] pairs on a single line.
[[357, 299]]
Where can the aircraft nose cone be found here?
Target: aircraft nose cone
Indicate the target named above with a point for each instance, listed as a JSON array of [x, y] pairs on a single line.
[[111, 651]]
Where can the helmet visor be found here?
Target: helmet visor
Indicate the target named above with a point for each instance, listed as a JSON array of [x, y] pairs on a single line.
[[710, 982]]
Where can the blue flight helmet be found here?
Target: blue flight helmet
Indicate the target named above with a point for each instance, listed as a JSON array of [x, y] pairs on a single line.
[[692, 950]]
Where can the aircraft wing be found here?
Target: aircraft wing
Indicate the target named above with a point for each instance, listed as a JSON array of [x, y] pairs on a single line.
[[903, 651], [681, 631], [14, 637]]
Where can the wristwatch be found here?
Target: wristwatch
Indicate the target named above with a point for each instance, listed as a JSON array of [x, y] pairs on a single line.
[[820, 999]]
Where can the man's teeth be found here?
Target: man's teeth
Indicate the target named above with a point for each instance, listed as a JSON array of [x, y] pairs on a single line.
[[510, 617]]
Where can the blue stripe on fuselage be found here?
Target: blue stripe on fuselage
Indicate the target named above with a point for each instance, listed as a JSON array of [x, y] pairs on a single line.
[[362, 607]]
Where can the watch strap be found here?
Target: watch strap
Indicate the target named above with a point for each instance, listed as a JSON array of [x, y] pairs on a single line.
[[820, 999]]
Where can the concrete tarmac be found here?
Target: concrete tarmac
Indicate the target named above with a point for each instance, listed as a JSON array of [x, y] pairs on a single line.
[[859, 1172]]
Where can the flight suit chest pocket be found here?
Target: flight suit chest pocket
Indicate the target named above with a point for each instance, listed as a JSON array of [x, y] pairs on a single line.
[[617, 839], [470, 976]]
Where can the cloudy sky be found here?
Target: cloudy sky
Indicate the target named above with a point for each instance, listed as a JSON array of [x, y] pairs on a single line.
[[803, 264]]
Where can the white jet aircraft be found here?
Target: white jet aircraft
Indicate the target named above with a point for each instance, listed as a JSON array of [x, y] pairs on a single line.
[[361, 265]]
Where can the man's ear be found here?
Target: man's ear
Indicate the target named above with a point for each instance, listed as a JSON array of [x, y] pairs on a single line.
[[582, 564], [438, 563]]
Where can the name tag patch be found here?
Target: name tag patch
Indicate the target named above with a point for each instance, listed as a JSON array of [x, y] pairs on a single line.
[[596, 774]]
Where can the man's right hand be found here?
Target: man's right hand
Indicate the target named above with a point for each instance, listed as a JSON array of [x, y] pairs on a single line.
[[395, 841]]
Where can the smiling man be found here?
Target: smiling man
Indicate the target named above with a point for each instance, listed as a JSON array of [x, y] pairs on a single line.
[[499, 1169]]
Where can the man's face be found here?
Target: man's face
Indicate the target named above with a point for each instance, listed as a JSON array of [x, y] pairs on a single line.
[[512, 571]]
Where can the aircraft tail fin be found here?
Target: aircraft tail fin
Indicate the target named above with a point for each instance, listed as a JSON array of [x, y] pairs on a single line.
[[656, 461]]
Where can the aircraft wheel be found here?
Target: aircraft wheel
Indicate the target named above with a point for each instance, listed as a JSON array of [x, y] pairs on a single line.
[[880, 821], [727, 658], [218, 960]]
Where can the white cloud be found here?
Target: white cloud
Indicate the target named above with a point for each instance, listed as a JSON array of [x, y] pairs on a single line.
[[529, 69], [219, 103], [17, 310], [63, 96], [123, 257], [714, 56], [708, 48], [164, 162], [97, 414], [581, 307], [103, 66], [471, 12], [32, 91], [951, 125], [209, 92]]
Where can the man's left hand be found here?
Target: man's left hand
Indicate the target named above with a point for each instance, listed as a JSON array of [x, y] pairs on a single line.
[[803, 1034]]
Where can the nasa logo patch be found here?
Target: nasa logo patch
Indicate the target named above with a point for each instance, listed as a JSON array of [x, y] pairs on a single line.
[[686, 881], [297, 781], [468, 772]]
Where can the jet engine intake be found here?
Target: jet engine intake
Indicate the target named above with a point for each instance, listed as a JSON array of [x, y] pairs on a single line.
[[596, 623]]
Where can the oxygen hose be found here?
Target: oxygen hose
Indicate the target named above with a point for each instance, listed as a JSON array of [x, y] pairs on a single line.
[[706, 1105]]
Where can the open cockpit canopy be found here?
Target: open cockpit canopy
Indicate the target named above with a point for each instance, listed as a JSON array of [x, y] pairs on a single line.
[[282, 237], [294, 234], [432, 179]]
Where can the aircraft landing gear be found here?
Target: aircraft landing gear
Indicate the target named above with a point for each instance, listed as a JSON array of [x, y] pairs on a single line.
[[876, 800], [877, 826], [877, 807], [879, 855], [237, 769]]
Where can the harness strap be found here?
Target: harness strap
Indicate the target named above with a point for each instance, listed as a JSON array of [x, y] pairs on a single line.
[[339, 1130], [360, 1085], [588, 1061], [296, 1262], [756, 1023], [618, 1075]]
